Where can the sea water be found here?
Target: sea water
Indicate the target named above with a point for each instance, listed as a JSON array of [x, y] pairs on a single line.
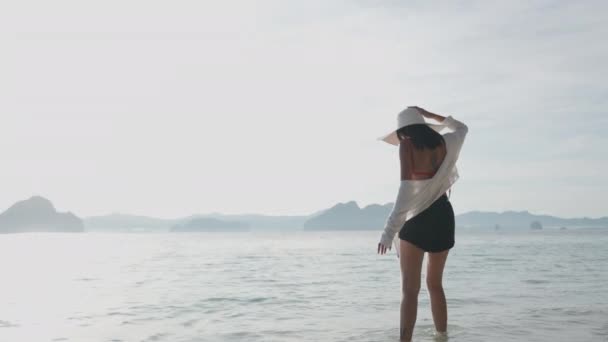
[[295, 286]]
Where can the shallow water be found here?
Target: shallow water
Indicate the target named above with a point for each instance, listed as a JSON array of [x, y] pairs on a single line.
[[303, 286]]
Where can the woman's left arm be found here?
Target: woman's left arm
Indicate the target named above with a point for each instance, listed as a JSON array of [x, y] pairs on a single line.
[[395, 220]]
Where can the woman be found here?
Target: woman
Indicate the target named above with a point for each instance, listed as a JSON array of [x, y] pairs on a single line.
[[429, 146]]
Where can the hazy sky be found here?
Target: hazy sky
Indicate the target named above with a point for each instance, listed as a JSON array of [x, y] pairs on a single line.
[[168, 108]]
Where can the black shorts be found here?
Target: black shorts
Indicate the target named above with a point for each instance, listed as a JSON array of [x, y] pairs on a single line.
[[433, 229]]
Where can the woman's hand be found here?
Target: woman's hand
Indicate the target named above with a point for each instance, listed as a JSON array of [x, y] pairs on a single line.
[[383, 249], [428, 114], [421, 110]]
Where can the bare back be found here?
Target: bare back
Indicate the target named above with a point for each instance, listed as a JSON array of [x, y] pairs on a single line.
[[417, 164]]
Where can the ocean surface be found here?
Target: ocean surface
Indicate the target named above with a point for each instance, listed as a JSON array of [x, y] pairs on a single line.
[[296, 286]]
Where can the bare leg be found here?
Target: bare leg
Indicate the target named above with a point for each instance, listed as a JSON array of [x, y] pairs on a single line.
[[411, 264], [434, 277]]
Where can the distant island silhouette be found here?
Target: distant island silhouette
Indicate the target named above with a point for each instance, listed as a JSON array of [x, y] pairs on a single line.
[[38, 214], [527, 220], [126, 222], [207, 224], [349, 216]]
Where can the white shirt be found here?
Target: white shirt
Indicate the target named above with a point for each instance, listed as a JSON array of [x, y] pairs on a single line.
[[417, 195]]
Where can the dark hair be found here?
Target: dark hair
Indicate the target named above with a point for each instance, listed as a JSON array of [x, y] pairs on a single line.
[[422, 136]]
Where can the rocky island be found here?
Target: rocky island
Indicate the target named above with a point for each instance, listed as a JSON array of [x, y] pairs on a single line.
[[38, 214], [349, 216]]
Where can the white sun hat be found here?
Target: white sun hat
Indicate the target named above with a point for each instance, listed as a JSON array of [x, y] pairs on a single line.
[[410, 116]]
